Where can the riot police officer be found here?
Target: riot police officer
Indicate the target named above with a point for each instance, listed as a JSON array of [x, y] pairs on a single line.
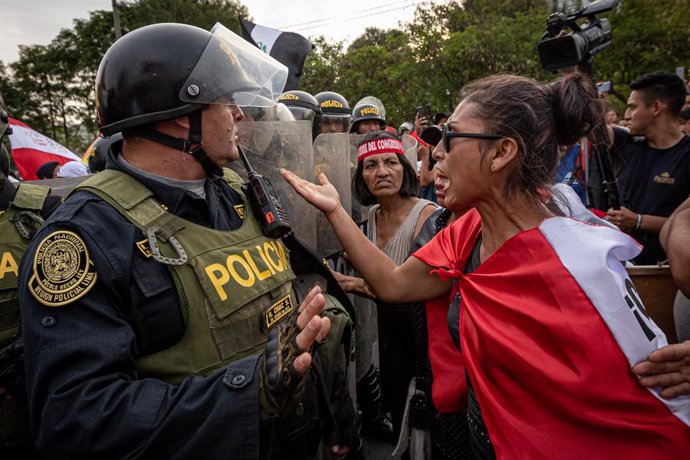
[[160, 319], [335, 110], [366, 118], [22, 209], [303, 106]]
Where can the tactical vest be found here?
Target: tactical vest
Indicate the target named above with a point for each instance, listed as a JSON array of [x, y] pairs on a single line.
[[17, 225], [233, 285]]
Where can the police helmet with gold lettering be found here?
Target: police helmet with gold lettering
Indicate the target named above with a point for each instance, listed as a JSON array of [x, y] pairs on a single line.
[[164, 71], [336, 112], [363, 112], [303, 107]]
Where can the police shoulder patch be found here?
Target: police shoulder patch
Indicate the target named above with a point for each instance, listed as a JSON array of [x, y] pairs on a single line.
[[62, 269]]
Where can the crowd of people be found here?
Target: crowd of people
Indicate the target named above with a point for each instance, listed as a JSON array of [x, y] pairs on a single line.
[[480, 308]]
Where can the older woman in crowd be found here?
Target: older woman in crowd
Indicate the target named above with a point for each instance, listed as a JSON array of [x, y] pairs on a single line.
[[386, 181], [549, 322]]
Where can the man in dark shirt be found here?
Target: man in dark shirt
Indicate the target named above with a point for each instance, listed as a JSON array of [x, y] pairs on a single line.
[[652, 161]]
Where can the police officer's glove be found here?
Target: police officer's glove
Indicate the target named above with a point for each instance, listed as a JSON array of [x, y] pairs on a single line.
[[279, 380]]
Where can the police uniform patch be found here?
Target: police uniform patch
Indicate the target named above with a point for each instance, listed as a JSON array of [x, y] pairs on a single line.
[[63, 271], [278, 311], [239, 209]]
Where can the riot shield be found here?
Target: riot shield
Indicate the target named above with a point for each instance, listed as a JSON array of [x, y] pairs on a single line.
[[359, 211], [410, 145], [332, 157], [60, 186], [271, 145]]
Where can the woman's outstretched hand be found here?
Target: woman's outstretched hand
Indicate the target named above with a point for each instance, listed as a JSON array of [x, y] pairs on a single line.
[[323, 197]]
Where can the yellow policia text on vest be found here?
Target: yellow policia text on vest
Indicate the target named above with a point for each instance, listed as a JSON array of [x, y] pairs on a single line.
[[260, 262], [8, 265], [233, 286]]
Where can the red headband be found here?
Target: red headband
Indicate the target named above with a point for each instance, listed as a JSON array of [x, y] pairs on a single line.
[[377, 146]]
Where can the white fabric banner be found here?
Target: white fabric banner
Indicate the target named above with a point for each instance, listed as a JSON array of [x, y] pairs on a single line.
[[23, 137], [265, 37]]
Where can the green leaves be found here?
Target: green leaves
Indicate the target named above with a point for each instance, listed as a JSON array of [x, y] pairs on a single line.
[[445, 46], [52, 87]]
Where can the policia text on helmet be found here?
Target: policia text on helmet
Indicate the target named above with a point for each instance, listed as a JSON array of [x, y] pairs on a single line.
[[135, 90]]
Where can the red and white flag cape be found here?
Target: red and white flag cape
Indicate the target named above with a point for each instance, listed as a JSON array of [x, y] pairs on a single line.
[[550, 326], [31, 149]]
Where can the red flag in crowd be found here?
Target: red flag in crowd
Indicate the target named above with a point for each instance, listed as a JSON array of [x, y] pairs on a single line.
[[31, 149]]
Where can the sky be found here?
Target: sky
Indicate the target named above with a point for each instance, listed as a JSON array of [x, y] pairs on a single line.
[[37, 22]]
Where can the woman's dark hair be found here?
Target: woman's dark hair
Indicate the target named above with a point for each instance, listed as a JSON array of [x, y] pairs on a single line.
[[540, 117], [45, 171], [410, 186]]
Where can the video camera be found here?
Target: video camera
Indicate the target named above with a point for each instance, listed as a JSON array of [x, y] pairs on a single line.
[[579, 46]]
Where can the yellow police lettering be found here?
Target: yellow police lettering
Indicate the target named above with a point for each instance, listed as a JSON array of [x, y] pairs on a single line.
[[247, 281], [281, 252], [257, 263], [262, 254], [220, 280], [332, 104], [261, 275], [275, 263], [369, 111], [8, 265]]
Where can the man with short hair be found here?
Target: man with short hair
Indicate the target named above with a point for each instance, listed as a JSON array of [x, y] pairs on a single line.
[[653, 161]]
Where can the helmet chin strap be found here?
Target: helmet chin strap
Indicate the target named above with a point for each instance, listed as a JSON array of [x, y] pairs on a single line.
[[191, 146]]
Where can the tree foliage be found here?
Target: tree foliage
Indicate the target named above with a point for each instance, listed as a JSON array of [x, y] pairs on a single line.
[[51, 87], [425, 61]]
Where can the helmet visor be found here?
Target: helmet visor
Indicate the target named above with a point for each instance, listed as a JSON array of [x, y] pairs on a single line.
[[302, 113], [233, 71], [335, 123]]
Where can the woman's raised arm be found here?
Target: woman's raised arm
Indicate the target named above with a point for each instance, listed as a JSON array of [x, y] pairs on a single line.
[[406, 283]]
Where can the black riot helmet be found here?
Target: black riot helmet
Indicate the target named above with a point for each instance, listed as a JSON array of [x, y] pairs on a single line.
[[303, 106], [98, 152], [364, 112], [335, 112], [163, 71]]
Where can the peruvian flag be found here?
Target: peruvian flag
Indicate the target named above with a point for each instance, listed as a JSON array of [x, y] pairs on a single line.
[[31, 149], [448, 386], [550, 325]]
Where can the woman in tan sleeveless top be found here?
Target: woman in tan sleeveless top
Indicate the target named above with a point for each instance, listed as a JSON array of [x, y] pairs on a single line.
[[386, 181]]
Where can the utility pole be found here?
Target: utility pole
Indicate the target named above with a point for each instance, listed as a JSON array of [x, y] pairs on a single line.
[[116, 21]]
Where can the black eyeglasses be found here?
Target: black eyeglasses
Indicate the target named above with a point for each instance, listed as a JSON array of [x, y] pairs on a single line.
[[446, 136]]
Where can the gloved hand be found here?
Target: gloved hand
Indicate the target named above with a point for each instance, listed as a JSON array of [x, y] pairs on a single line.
[[287, 355]]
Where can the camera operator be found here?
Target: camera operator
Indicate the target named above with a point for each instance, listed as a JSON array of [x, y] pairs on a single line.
[[653, 170]]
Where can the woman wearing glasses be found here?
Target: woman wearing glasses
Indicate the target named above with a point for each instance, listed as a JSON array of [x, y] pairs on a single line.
[[549, 324]]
